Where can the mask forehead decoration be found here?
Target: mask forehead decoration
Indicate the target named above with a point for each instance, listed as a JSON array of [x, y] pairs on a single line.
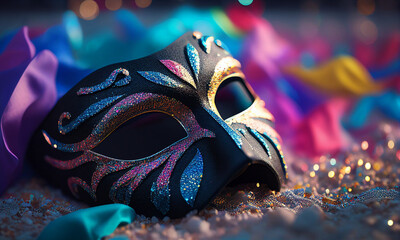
[[185, 88]]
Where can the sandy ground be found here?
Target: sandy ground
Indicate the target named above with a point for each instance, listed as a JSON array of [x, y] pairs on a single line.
[[361, 201]]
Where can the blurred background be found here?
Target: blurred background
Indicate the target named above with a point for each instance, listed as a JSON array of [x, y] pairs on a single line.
[[336, 14], [327, 70]]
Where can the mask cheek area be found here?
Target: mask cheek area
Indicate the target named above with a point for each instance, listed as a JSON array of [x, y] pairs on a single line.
[[142, 136]]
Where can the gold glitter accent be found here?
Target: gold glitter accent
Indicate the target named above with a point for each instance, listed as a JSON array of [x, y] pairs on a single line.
[[225, 68], [331, 200], [256, 110], [197, 35]]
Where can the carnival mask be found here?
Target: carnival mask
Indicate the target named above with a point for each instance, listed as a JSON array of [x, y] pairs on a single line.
[[163, 134]]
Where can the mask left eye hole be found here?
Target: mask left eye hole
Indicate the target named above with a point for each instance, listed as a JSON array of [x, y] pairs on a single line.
[[233, 97], [142, 136]]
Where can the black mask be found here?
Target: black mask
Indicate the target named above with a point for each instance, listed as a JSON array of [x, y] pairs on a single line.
[[103, 140]]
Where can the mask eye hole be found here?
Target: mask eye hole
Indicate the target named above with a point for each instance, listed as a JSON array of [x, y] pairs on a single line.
[[142, 136], [233, 97]]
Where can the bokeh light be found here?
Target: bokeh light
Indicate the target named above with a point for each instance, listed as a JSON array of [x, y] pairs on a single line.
[[113, 5], [390, 222], [377, 166], [368, 166], [333, 161], [366, 30], [245, 2], [143, 3], [89, 10], [366, 7], [316, 167], [360, 162], [364, 145], [390, 144]]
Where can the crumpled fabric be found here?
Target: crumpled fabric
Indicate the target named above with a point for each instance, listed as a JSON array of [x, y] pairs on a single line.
[[341, 76], [90, 224], [321, 131], [387, 103], [377, 56], [70, 71], [301, 112], [28, 93], [304, 99]]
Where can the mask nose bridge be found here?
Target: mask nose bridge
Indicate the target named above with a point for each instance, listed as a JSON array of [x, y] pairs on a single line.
[[239, 138], [256, 165], [228, 129]]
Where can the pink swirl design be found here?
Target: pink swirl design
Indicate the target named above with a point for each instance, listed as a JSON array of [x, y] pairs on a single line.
[[138, 169]]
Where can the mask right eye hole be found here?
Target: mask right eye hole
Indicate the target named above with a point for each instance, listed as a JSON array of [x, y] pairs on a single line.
[[233, 97], [142, 136]]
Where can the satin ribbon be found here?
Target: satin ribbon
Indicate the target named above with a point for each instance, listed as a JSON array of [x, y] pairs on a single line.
[[91, 224], [28, 93]]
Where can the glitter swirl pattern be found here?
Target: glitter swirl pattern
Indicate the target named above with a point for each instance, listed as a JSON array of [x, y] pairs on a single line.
[[191, 178], [194, 59], [108, 82], [124, 110], [179, 71], [197, 35], [137, 169], [160, 79], [89, 112]]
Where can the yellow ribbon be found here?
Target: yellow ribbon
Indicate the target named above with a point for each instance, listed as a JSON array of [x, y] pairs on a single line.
[[341, 76]]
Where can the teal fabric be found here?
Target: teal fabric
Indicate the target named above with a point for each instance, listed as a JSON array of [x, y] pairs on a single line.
[[90, 223]]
